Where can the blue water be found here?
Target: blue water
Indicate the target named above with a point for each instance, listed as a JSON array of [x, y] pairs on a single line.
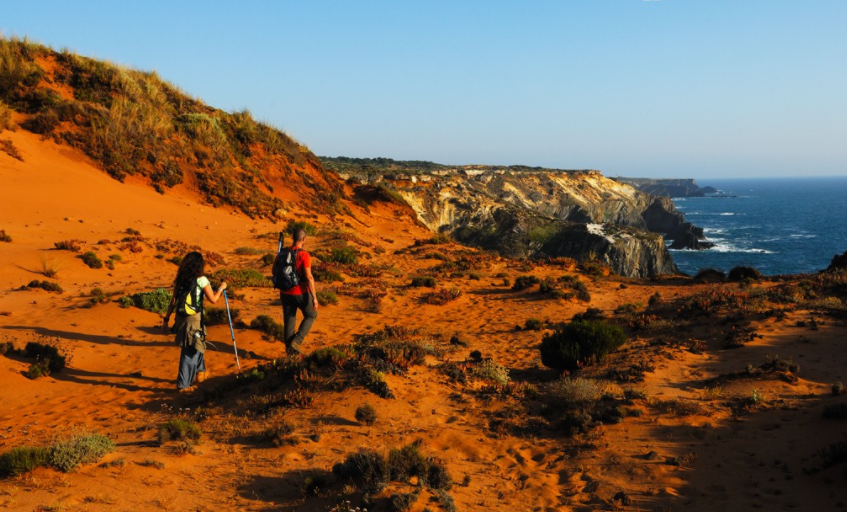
[[777, 225]]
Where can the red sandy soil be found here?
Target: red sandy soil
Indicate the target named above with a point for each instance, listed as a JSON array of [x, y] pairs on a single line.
[[121, 372]]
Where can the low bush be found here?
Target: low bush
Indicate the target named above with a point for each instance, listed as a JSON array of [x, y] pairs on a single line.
[[403, 501], [327, 297], [23, 459], [491, 371], [50, 354], [835, 453], [367, 469], [323, 274], [37, 370], [366, 413], [179, 430], [218, 316], [574, 390], [68, 245], [45, 285], [293, 226], [269, 326], [156, 301], [268, 259], [342, 255], [5, 237], [533, 324], [744, 273], [91, 259], [425, 281], [524, 282], [240, 278], [442, 296], [589, 314], [248, 251], [580, 343], [80, 449], [710, 275]]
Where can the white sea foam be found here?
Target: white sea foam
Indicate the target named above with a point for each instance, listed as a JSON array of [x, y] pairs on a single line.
[[727, 213], [802, 236], [733, 248]]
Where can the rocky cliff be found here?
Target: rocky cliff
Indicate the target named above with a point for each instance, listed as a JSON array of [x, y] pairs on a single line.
[[668, 187], [526, 212]]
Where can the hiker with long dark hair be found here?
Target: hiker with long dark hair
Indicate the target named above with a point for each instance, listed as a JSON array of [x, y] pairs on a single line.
[[191, 286]]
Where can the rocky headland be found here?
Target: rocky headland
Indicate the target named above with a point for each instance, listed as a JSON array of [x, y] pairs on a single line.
[[684, 187], [532, 212]]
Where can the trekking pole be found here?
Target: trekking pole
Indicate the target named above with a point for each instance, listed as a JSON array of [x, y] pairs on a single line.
[[281, 239], [232, 332]]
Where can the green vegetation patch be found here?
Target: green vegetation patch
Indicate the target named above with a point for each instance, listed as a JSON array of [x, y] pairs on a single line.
[[156, 301], [240, 278], [580, 343]]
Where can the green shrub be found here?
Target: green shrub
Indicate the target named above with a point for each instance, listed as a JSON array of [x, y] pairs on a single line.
[[491, 371], [366, 413], [23, 459], [268, 259], [327, 297], [68, 245], [744, 273], [406, 463], [305, 226], [240, 278], [580, 343], [248, 251], [268, 326], [710, 275], [45, 285], [329, 356], [524, 282], [91, 259], [80, 449], [179, 430], [217, 316], [366, 468], [126, 302], [403, 501], [5, 237], [37, 370], [323, 274], [442, 296], [156, 301], [533, 324], [343, 255], [46, 353], [574, 391], [427, 281]]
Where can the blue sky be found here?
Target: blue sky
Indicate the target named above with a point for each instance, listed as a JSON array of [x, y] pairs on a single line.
[[667, 88]]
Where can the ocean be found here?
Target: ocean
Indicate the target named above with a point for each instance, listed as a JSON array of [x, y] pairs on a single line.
[[777, 225]]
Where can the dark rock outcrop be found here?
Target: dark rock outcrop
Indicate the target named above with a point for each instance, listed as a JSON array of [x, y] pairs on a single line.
[[668, 187]]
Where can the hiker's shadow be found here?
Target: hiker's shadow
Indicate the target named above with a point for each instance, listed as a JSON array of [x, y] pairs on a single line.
[[90, 338], [286, 491]]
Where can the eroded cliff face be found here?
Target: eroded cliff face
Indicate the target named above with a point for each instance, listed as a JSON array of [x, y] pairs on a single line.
[[529, 213]]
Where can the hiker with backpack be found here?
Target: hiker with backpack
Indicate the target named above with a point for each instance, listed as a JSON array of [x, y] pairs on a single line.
[[292, 275], [191, 287]]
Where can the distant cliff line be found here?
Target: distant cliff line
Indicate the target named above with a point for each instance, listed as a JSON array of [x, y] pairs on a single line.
[[522, 211], [668, 187]]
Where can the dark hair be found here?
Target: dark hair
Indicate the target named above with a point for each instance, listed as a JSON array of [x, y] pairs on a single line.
[[299, 235], [192, 267]]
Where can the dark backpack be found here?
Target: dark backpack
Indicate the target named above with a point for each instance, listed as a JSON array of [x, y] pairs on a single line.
[[285, 271], [185, 301]]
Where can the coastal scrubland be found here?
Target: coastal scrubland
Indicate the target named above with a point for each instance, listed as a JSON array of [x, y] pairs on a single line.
[[438, 377]]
